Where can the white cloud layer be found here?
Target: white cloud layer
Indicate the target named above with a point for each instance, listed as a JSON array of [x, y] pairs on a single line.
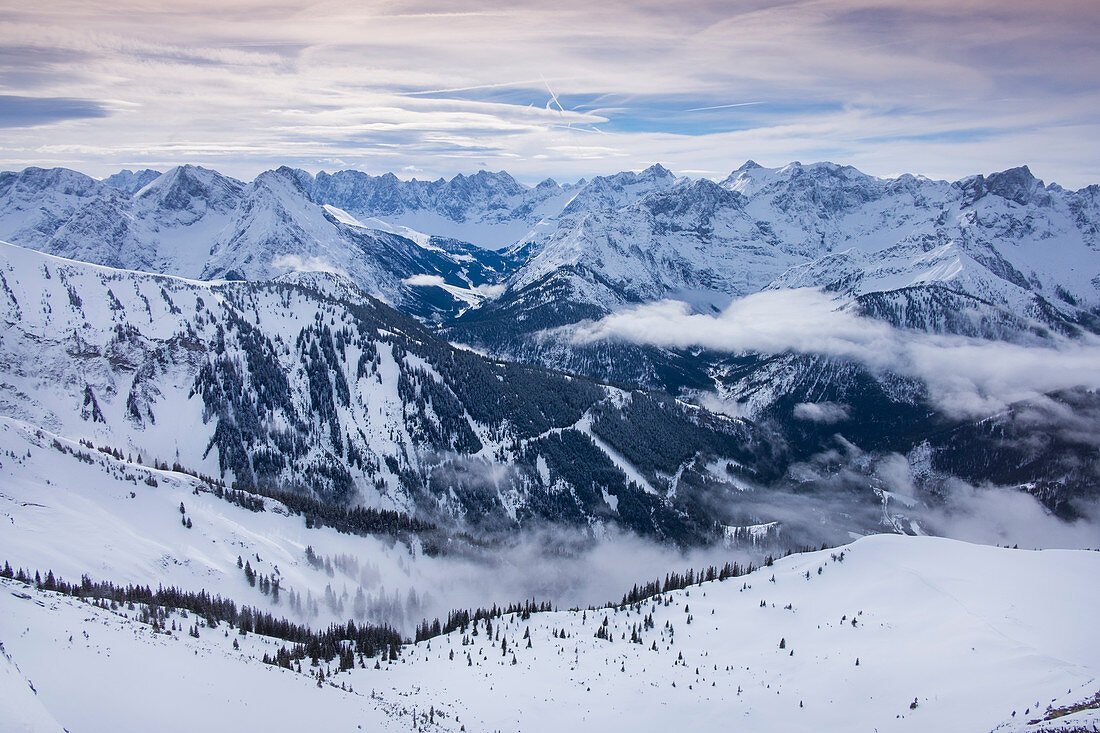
[[964, 376]]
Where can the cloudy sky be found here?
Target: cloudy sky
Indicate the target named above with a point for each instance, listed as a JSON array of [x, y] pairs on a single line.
[[566, 88]]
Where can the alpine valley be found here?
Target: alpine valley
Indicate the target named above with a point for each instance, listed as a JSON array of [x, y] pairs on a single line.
[[258, 410]]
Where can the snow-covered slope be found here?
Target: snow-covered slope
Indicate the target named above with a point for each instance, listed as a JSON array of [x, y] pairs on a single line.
[[690, 237], [947, 625], [1007, 244], [166, 225], [889, 633], [91, 669], [306, 383], [76, 510]]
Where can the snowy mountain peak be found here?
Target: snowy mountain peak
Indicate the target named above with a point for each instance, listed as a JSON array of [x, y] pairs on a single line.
[[656, 171], [286, 178], [61, 181], [132, 181], [1015, 184], [697, 200], [191, 188], [499, 180], [621, 189]]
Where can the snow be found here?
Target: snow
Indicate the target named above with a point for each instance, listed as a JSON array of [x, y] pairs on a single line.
[[96, 671], [917, 601], [196, 223], [971, 633], [20, 708]]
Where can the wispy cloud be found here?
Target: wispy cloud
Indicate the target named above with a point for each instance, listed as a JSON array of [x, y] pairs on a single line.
[[826, 413], [723, 106], [934, 88]]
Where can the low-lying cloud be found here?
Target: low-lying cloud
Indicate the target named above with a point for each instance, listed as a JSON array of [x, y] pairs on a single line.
[[826, 413], [296, 263], [964, 376], [424, 281]]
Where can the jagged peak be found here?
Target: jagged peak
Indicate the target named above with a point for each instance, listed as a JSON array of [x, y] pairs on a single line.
[[1017, 184], [178, 185], [47, 177], [131, 181], [486, 179], [298, 174], [284, 175], [656, 171], [700, 194], [1020, 175]]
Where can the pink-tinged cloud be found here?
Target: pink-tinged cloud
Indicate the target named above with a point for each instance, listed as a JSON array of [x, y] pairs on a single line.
[[943, 89]]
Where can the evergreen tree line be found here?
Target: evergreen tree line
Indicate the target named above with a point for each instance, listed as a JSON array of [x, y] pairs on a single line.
[[690, 577], [679, 581], [460, 619], [338, 640]]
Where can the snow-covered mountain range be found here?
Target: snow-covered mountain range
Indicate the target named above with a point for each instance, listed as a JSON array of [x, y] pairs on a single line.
[[342, 398], [1014, 252], [193, 222], [1000, 258]]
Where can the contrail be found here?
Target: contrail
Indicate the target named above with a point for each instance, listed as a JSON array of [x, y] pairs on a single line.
[[467, 89], [723, 106], [553, 97]]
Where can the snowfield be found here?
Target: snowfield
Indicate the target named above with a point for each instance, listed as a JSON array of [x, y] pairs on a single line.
[[980, 638]]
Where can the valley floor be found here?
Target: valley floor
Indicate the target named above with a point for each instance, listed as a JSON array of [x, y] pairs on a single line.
[[979, 638]]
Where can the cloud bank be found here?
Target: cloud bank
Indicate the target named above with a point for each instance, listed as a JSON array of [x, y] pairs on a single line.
[[965, 377]]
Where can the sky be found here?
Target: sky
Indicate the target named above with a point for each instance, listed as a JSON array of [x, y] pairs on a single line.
[[567, 89]]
